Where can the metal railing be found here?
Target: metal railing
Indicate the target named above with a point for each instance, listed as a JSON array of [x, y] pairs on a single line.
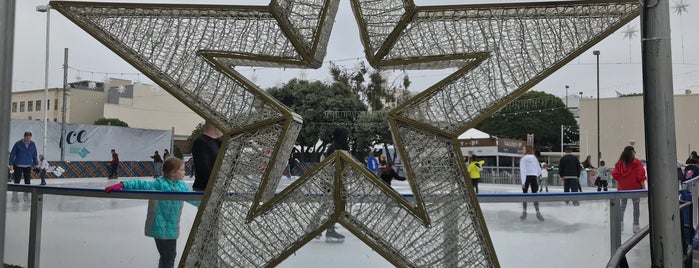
[[619, 255], [37, 193]]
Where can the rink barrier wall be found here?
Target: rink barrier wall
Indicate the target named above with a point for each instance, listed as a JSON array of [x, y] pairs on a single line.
[[99, 169]]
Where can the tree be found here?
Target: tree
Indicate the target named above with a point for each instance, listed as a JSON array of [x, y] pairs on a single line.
[[110, 122], [317, 102], [375, 92], [534, 112]]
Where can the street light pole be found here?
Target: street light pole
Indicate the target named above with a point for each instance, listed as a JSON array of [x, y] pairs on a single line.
[[599, 153], [63, 108], [566, 96], [46, 9]]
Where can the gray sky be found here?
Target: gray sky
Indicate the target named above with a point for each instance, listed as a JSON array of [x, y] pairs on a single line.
[[620, 68]]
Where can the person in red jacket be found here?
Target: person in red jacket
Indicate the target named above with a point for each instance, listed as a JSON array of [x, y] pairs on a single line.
[[630, 175]]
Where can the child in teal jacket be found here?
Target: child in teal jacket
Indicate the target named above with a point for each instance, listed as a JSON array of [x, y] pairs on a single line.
[[163, 218]]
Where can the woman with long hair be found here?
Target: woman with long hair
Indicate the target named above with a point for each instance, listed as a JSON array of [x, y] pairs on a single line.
[[630, 175]]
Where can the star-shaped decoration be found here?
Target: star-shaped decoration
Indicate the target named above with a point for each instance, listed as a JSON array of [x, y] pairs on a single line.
[[121, 89], [680, 7], [630, 32], [191, 51]]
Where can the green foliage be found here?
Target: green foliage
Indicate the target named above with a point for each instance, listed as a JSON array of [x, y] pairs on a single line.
[[374, 92], [110, 122], [370, 129], [534, 112], [311, 100]]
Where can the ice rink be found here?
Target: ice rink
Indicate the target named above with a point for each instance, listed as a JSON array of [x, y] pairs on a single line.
[[105, 233]]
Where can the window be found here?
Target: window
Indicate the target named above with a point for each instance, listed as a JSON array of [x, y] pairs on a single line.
[[14, 107], [55, 119], [55, 104], [21, 106], [38, 105], [48, 104], [30, 106]]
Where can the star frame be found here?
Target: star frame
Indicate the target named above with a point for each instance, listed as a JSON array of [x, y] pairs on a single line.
[[499, 50]]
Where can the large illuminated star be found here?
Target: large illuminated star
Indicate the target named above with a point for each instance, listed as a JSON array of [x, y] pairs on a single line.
[[191, 51]]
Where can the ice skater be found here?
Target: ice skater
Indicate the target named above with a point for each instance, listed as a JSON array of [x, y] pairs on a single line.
[[388, 174], [474, 170], [530, 171], [43, 166], [339, 142], [630, 175], [602, 176], [163, 217]]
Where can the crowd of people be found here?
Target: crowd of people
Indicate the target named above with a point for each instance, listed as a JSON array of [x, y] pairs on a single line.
[[628, 173]]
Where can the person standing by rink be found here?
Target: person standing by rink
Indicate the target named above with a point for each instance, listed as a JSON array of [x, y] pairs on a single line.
[[157, 164], [630, 175], [114, 165], [43, 166], [530, 171], [569, 169], [204, 153], [163, 218], [372, 164], [23, 158]]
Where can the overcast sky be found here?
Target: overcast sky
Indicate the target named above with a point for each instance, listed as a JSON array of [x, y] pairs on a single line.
[[620, 68]]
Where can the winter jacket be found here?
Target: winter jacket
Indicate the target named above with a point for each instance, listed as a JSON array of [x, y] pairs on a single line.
[[372, 164], [23, 155], [163, 218], [156, 158], [115, 159], [204, 152], [629, 177], [389, 174], [529, 166], [569, 166], [474, 169]]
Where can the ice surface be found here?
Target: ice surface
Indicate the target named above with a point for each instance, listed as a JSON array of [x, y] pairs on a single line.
[[98, 232]]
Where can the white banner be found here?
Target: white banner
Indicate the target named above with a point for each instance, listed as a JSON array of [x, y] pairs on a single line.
[[91, 142]]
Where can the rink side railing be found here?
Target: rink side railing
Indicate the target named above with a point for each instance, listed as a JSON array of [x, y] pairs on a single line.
[[37, 193], [618, 255]]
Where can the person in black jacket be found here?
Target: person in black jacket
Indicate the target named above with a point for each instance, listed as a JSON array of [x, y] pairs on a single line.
[[204, 153], [157, 164], [388, 174], [569, 170]]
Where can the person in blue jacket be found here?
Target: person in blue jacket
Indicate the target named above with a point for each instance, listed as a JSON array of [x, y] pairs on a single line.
[[163, 218], [373, 164], [23, 158]]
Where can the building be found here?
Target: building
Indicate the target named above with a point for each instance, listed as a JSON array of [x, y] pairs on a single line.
[[139, 105], [151, 107], [621, 122]]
